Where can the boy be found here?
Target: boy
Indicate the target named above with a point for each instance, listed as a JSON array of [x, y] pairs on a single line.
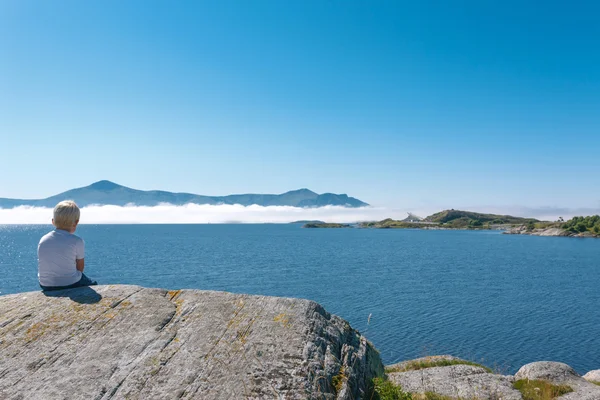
[[60, 252]]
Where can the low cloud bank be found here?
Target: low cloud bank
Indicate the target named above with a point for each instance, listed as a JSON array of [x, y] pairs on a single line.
[[200, 214], [217, 214], [547, 213]]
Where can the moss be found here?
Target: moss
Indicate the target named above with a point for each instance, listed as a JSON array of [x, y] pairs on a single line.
[[430, 363], [540, 389], [338, 380], [595, 382], [283, 318], [173, 293]]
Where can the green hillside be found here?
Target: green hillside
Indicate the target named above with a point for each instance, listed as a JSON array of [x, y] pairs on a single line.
[[469, 219], [392, 223]]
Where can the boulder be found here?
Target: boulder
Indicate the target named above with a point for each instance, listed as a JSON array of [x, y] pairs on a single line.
[[593, 376], [555, 372], [119, 341], [560, 374], [455, 381], [401, 366]]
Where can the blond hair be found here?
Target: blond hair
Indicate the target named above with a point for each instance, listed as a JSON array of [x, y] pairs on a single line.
[[66, 214]]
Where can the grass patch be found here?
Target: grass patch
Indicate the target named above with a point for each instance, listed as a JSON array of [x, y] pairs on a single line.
[[431, 396], [386, 390], [540, 390], [595, 382], [422, 364], [338, 380]]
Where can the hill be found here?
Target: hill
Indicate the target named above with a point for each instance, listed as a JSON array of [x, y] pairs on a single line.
[[466, 219], [107, 192], [392, 223]]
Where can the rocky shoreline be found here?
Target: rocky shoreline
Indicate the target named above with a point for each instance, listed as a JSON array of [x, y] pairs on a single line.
[[523, 230], [467, 380], [130, 342]]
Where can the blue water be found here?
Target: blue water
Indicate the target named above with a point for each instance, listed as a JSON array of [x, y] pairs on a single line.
[[498, 299]]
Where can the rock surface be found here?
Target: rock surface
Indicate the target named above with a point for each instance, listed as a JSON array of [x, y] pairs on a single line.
[[522, 230], [593, 376], [560, 374], [130, 342], [456, 381], [402, 366]]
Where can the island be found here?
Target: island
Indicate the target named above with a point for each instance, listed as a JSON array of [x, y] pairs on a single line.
[[451, 219], [581, 227], [325, 225], [460, 220]]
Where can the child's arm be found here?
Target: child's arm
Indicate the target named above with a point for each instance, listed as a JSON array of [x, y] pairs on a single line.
[[79, 255]]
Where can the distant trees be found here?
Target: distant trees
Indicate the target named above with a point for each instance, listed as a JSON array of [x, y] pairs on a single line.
[[583, 224], [475, 223]]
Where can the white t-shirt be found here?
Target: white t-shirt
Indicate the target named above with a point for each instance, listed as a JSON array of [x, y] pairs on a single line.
[[57, 253]]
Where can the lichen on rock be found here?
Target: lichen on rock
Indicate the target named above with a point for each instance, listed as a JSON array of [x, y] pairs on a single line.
[[123, 341]]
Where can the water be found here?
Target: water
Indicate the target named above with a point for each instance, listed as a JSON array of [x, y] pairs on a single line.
[[498, 299]]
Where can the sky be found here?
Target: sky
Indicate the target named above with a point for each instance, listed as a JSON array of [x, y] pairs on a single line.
[[408, 105]]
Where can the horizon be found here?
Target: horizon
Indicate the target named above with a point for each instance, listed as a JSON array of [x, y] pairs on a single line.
[[404, 106], [250, 214]]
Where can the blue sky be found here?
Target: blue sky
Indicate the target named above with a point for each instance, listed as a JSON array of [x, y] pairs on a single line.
[[402, 104]]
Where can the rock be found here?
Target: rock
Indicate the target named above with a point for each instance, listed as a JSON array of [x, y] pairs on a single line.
[[522, 230], [553, 232], [547, 370], [456, 381], [122, 341], [560, 374], [586, 235], [517, 230], [404, 364], [593, 376]]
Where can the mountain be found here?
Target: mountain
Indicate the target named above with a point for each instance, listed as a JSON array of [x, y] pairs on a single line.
[[107, 192]]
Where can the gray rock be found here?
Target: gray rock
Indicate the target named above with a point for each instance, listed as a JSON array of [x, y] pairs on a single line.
[[457, 381], [401, 366], [560, 374], [593, 376], [522, 230], [117, 342], [517, 230], [586, 235], [555, 372], [553, 232]]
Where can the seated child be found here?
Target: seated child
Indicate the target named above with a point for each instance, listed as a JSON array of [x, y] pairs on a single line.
[[60, 252]]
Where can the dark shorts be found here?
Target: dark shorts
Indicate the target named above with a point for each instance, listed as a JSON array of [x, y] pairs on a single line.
[[84, 281]]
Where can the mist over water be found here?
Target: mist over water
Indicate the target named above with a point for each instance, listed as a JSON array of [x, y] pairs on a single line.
[[227, 213], [201, 214]]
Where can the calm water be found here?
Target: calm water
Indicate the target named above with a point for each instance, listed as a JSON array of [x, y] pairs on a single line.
[[499, 299]]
